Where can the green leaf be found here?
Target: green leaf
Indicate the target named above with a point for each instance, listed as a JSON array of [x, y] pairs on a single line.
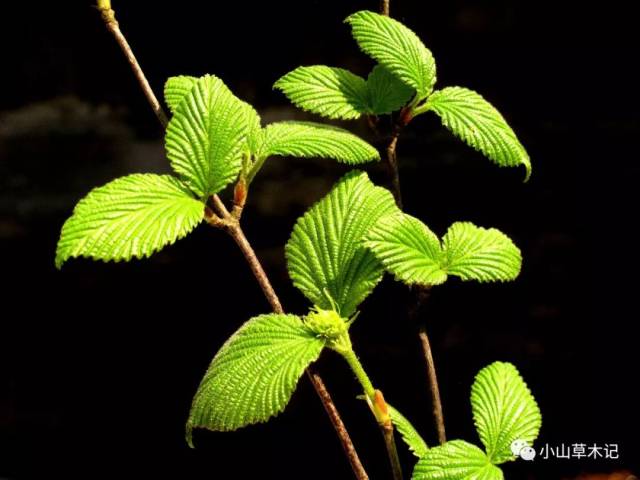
[[254, 129], [306, 139], [325, 254], [176, 89], [327, 91], [254, 374], [396, 48], [386, 93], [407, 249], [409, 434], [475, 253], [456, 460], [504, 410], [132, 216], [414, 255], [476, 122], [339, 94], [206, 136]]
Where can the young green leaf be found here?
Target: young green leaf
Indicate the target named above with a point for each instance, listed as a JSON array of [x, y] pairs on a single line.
[[408, 249], [176, 89], [327, 91], [476, 122], [206, 136], [456, 460], [504, 410], [396, 48], [253, 376], [325, 255], [409, 434], [132, 216], [475, 253], [254, 129], [386, 93], [306, 139]]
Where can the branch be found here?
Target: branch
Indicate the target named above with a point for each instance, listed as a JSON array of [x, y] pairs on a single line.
[[433, 384], [384, 7], [109, 17], [341, 430], [392, 164], [256, 267], [420, 294], [223, 219]]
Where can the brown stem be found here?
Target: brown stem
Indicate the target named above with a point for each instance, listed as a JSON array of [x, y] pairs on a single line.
[[392, 164], [109, 17], [421, 295], [420, 298], [392, 451], [229, 223], [433, 384], [384, 7], [341, 430], [256, 267], [219, 206]]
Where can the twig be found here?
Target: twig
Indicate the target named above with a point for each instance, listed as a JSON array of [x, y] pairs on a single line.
[[109, 17], [392, 451], [341, 430], [384, 7], [392, 164], [220, 207], [225, 220], [433, 384], [254, 264], [421, 294]]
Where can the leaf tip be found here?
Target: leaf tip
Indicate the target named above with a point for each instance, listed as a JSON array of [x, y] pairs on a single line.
[[188, 434], [349, 18], [354, 16], [59, 262], [61, 257], [277, 85], [527, 165]]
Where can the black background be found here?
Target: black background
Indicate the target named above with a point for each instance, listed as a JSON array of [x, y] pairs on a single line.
[[99, 361]]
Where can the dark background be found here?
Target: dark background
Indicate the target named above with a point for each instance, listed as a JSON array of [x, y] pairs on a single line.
[[99, 361]]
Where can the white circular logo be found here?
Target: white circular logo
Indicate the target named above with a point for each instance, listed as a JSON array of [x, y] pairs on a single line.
[[527, 453], [520, 448], [517, 446]]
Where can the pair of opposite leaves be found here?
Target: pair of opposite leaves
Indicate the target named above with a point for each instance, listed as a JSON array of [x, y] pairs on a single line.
[[336, 255], [504, 411], [213, 136]]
